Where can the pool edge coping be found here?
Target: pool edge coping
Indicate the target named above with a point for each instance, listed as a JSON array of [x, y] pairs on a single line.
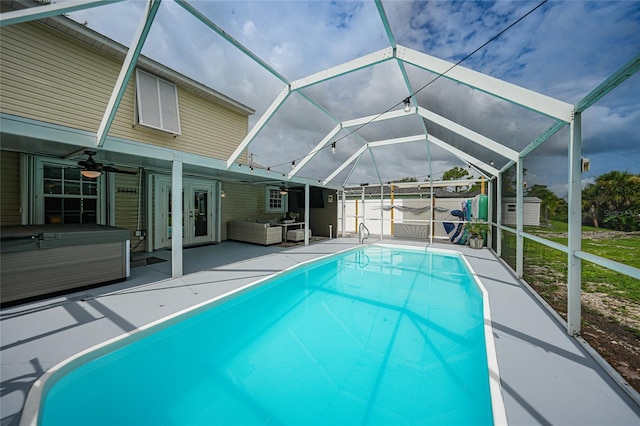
[[31, 409], [498, 407], [33, 402]]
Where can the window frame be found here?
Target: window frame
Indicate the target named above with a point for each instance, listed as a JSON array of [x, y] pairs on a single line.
[[38, 206], [268, 208], [139, 104]]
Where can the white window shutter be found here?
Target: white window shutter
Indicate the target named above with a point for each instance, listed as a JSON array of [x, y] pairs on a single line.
[[157, 103]]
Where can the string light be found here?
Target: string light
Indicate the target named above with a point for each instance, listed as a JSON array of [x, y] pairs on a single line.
[[407, 104], [407, 100]]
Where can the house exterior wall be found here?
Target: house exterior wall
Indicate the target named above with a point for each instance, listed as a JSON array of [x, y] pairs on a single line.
[[130, 206], [9, 188], [243, 201], [48, 76]]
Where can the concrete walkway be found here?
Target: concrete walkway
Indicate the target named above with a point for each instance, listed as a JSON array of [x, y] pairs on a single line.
[[547, 377]]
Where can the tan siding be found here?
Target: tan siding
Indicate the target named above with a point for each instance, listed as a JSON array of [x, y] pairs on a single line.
[[127, 195], [9, 188], [243, 201], [49, 77]]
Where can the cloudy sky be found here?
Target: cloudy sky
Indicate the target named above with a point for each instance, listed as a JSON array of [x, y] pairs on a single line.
[[564, 49]]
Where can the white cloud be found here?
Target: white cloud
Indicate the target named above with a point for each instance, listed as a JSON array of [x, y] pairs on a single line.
[[249, 29], [565, 49]]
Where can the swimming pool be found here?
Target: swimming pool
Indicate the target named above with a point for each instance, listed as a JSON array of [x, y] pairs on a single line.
[[375, 336]]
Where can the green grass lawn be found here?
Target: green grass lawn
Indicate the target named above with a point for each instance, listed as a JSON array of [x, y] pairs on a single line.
[[547, 264]]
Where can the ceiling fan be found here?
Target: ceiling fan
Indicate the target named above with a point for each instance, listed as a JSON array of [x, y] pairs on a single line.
[[91, 169], [284, 189]]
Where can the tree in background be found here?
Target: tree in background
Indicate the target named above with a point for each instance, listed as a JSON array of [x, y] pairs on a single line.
[[509, 181], [457, 173], [613, 201], [551, 206]]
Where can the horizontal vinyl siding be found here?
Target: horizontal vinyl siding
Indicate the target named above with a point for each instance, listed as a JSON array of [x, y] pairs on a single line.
[[9, 188], [49, 77], [126, 197], [241, 202]]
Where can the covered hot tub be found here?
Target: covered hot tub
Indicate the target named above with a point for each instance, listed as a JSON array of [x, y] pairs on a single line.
[[37, 260]]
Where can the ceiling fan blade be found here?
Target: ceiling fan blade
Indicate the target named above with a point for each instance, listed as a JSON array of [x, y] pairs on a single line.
[[114, 170], [82, 163]]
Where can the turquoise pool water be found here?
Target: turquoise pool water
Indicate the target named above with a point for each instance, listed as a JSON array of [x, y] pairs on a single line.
[[380, 336]]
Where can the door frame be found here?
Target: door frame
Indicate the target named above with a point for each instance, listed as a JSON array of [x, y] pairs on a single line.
[[162, 186]]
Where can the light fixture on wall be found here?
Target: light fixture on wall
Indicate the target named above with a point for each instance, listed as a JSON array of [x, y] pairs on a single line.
[[222, 194], [407, 104], [333, 147]]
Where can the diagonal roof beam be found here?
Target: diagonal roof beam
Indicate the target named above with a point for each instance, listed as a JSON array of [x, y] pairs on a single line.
[[395, 141], [501, 89], [464, 156], [222, 33], [455, 151], [49, 10], [342, 69], [268, 114], [416, 138], [477, 138], [403, 71], [616, 79], [551, 130], [128, 66], [375, 164], [315, 150], [385, 22], [373, 118], [335, 173]]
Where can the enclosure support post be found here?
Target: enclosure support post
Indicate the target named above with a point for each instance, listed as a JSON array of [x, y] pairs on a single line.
[[574, 266], [363, 209], [519, 218], [431, 216], [393, 207], [357, 215], [176, 217], [344, 210], [381, 211], [499, 215], [490, 211], [306, 214]]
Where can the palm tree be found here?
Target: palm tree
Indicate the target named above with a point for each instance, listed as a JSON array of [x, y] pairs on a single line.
[[615, 198]]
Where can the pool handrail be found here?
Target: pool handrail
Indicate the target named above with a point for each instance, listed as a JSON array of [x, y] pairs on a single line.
[[362, 227]]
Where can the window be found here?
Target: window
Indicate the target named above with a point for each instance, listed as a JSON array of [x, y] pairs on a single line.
[[68, 196], [157, 103], [275, 202]]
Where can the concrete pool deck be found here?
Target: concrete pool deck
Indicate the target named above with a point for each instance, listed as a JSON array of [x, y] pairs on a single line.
[[547, 377]]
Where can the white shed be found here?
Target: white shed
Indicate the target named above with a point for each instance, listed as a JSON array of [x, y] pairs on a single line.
[[531, 212]]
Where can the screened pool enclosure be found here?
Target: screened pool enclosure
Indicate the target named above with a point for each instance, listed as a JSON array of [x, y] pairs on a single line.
[[525, 97]]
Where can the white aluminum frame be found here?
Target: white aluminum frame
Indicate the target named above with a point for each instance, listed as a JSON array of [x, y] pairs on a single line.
[[563, 113]]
